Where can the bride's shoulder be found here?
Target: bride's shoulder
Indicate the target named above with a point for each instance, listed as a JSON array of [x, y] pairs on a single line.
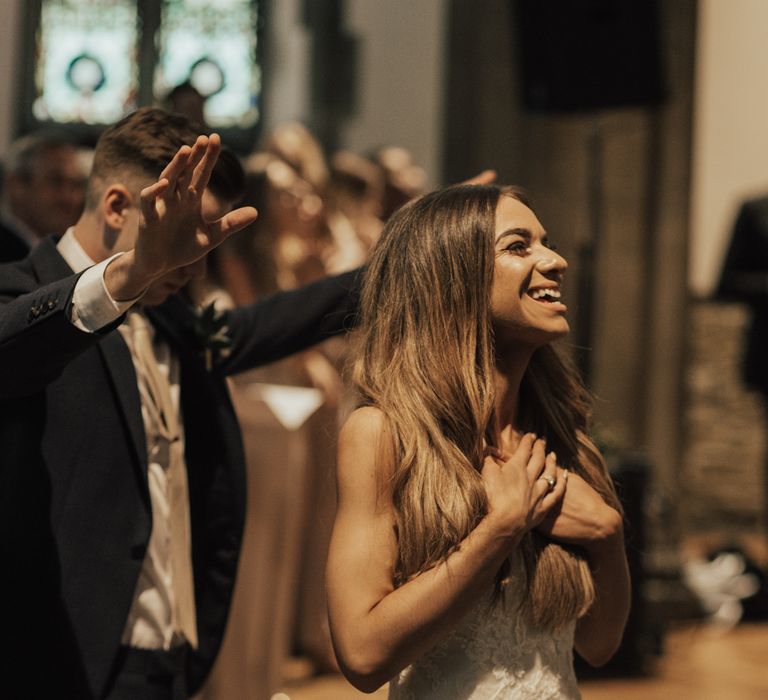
[[365, 441], [364, 424]]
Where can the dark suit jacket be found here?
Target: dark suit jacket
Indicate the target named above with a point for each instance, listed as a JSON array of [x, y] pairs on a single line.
[[75, 513], [12, 247], [744, 278]]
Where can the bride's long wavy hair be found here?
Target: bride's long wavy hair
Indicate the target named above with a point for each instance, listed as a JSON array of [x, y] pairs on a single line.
[[425, 357]]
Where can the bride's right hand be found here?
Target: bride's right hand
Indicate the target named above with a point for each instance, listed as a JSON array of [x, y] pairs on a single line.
[[517, 488]]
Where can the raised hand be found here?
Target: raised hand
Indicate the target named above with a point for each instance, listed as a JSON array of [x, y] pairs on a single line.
[[522, 489], [582, 517], [172, 230], [486, 177]]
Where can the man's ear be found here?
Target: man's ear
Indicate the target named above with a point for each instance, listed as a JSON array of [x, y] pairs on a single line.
[[116, 203]]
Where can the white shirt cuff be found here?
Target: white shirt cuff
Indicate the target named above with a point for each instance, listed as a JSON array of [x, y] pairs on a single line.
[[92, 305]]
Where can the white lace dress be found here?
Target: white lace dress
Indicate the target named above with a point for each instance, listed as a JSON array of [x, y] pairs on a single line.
[[494, 654]]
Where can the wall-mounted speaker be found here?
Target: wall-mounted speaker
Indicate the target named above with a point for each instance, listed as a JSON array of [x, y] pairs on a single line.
[[579, 55]]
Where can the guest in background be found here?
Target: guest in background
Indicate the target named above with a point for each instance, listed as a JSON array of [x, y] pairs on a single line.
[[43, 192], [403, 179], [314, 237], [186, 99], [356, 194], [294, 144], [289, 245], [744, 278]]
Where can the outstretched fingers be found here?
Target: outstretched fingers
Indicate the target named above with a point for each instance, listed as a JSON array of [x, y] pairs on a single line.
[[149, 196], [196, 155], [230, 223], [486, 177], [204, 168], [176, 167]]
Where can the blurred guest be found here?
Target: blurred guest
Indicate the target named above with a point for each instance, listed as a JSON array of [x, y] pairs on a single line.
[[293, 143], [403, 179], [43, 192], [275, 251], [306, 236], [290, 243], [356, 191], [302, 238], [186, 99], [744, 279]]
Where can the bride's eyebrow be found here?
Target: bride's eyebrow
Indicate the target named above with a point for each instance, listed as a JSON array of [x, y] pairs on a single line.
[[522, 232]]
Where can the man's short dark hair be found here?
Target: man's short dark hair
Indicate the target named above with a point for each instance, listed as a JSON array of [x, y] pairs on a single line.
[[146, 140]]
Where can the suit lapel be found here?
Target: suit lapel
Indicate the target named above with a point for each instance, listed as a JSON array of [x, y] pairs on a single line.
[[47, 262], [50, 266], [119, 364]]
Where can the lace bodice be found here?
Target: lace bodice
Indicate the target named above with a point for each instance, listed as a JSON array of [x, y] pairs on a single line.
[[494, 654]]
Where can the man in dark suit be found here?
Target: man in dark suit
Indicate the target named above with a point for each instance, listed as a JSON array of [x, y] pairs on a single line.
[[121, 464], [744, 278], [12, 245], [43, 191]]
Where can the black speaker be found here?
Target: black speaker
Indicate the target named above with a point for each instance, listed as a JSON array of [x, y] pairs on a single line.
[[580, 55]]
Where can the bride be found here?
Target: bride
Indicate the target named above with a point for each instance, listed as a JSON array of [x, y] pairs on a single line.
[[478, 538]]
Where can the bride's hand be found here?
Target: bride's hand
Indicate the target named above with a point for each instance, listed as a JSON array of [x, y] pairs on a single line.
[[582, 517], [518, 488]]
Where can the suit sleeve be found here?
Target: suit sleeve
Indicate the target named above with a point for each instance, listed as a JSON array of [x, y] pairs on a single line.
[[288, 322], [37, 337]]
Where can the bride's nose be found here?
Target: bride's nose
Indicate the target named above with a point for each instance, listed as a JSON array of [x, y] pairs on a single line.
[[551, 262]]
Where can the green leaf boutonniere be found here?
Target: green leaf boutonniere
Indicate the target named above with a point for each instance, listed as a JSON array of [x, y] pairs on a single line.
[[212, 333]]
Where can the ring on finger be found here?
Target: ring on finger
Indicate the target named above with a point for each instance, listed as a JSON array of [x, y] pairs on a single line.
[[551, 481]]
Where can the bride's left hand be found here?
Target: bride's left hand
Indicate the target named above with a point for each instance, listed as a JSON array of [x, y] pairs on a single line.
[[582, 517]]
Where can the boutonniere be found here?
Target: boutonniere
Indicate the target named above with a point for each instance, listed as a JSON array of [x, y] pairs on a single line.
[[212, 334]]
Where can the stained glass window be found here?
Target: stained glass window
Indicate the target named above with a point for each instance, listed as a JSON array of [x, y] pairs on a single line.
[[213, 47], [96, 60], [86, 61]]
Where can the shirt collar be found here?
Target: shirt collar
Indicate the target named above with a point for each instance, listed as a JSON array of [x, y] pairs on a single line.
[[70, 249]]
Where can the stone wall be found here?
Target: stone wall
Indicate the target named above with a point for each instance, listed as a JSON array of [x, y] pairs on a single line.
[[723, 479]]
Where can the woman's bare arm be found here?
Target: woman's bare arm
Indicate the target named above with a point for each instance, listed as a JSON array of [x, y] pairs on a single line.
[[599, 632], [584, 518], [378, 629]]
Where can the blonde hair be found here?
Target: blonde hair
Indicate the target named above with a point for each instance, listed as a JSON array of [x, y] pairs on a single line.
[[425, 357]]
